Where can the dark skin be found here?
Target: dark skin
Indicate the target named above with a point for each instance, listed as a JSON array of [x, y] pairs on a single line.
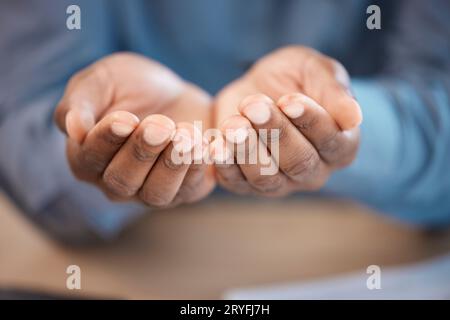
[[122, 116], [306, 96], [126, 111]]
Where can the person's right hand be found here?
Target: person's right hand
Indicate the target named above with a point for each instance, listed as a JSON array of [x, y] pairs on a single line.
[[123, 117]]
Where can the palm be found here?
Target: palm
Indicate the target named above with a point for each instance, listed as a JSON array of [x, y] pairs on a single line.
[[144, 87], [273, 78]]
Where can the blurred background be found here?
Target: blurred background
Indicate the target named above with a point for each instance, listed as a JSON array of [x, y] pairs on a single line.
[[390, 208]]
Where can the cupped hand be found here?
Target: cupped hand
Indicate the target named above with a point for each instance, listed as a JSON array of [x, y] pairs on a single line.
[[303, 101], [126, 117]]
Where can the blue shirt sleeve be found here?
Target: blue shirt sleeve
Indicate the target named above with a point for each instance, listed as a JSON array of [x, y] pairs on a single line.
[[41, 55], [402, 167], [403, 163]]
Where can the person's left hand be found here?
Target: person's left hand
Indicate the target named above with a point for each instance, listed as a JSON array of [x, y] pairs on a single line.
[[306, 96]]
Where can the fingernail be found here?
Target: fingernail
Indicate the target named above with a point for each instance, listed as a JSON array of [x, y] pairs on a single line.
[[183, 142], [69, 121], [87, 119], [78, 123], [155, 134], [236, 136], [121, 129], [200, 154], [359, 115], [293, 110], [219, 152], [201, 146], [309, 102], [258, 113], [294, 105]]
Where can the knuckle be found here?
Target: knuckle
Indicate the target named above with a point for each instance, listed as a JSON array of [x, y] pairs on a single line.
[[229, 179], [282, 132], [142, 154], [110, 139], [155, 199], [172, 165], [116, 184], [234, 185], [307, 124], [279, 133], [267, 183], [302, 166]]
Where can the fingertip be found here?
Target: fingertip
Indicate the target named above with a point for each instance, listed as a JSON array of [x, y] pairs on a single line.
[[236, 129], [234, 122], [359, 116], [350, 115], [189, 138], [254, 99], [161, 120], [293, 105], [158, 129], [183, 141], [78, 123], [125, 116], [219, 152], [257, 109], [123, 123]]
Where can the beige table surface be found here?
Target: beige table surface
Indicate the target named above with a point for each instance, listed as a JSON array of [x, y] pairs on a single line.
[[199, 251]]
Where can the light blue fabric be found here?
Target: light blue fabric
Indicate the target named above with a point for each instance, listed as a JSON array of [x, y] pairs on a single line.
[[400, 76]]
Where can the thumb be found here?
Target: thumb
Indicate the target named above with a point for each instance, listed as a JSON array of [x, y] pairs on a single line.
[[322, 78], [327, 81], [85, 98], [78, 122]]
